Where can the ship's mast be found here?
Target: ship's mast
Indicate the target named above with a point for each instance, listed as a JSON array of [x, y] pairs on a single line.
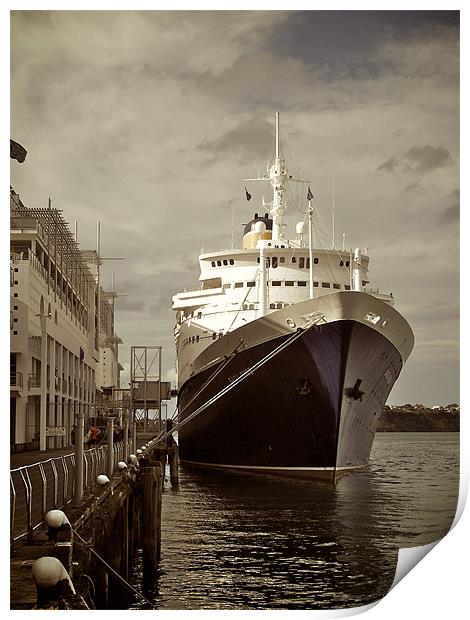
[[277, 177]]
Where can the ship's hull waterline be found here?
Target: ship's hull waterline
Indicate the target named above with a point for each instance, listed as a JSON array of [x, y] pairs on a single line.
[[312, 409]]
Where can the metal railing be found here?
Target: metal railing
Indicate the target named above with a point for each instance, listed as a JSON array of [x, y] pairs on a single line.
[[47, 485], [16, 379]]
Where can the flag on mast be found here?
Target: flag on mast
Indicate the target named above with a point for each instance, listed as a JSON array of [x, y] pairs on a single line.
[[17, 151], [247, 194], [309, 194]]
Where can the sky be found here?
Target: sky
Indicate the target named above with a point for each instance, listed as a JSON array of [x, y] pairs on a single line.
[[149, 121]]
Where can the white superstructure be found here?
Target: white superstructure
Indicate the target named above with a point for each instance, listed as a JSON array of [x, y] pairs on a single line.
[[268, 273]]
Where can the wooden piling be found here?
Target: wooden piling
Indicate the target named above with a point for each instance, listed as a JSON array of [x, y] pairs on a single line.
[[173, 458], [151, 514]]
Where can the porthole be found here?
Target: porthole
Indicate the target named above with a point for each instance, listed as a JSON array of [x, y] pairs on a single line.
[[213, 263], [291, 323]]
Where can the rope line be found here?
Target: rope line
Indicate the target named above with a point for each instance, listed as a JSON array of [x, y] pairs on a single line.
[[111, 570], [238, 380]]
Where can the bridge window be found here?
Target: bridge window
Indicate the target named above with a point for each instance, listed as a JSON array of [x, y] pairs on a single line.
[[315, 284], [276, 283], [347, 287], [251, 284], [325, 284], [302, 283], [238, 284], [289, 283], [272, 306], [335, 285]]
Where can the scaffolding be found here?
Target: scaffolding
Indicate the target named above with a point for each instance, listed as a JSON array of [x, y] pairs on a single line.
[[146, 387]]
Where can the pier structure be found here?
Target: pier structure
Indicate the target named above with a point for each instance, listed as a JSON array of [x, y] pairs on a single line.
[[147, 391], [63, 346]]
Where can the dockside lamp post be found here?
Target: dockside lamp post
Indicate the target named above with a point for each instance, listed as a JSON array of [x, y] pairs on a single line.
[[43, 402], [79, 439]]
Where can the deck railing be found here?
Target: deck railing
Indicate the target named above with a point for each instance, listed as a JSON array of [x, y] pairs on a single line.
[[50, 484]]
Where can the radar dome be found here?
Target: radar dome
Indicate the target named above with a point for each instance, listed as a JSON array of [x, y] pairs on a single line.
[[301, 228], [259, 226]]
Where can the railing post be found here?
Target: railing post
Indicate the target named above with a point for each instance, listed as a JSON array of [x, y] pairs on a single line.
[[110, 468]]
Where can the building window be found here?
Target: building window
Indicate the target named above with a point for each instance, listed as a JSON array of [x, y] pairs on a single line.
[[289, 283], [238, 284], [301, 283], [301, 262], [325, 284], [251, 284], [336, 285], [15, 307], [276, 283]]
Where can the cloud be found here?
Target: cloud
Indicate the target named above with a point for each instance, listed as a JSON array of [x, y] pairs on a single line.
[[150, 120], [251, 139], [418, 159]]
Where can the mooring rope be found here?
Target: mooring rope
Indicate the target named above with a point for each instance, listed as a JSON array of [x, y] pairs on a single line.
[[238, 380], [111, 570], [209, 380]]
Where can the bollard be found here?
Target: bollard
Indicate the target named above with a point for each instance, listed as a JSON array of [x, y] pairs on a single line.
[[173, 458], [151, 515], [52, 581], [58, 526]]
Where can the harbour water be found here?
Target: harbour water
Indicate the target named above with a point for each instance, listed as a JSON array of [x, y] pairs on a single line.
[[231, 541]]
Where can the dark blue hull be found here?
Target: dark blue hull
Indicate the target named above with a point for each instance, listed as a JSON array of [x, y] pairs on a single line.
[[289, 416]]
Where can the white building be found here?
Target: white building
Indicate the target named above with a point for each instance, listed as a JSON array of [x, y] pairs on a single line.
[[56, 352]]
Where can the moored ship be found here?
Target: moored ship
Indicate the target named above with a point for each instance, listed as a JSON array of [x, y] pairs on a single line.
[[284, 357]]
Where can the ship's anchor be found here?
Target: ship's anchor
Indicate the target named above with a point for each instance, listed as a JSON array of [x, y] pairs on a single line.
[[355, 393]]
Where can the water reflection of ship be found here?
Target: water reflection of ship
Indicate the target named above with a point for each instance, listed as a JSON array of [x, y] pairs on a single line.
[[294, 355]]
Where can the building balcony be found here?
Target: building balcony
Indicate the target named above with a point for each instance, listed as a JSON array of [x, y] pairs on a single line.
[[16, 380]]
